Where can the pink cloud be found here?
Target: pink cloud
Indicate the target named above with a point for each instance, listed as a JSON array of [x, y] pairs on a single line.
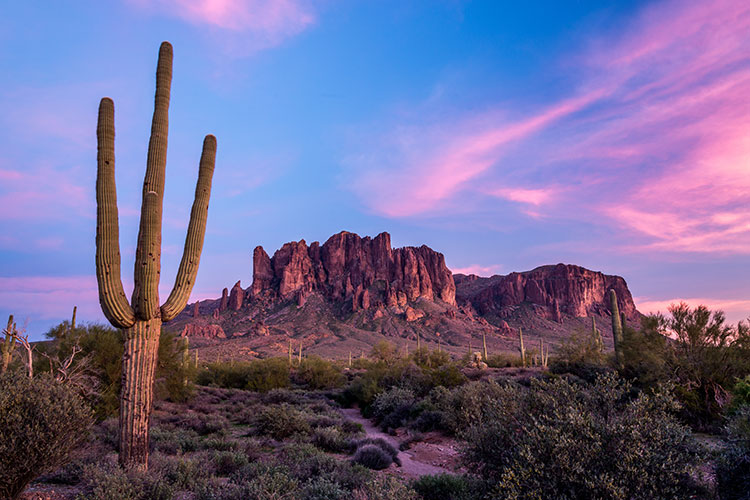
[[43, 193], [438, 162], [478, 270], [258, 24], [656, 146]]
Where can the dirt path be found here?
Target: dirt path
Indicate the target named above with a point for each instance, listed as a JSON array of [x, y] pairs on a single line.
[[409, 466]]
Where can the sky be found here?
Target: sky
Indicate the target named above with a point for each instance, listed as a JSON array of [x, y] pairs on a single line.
[[506, 135]]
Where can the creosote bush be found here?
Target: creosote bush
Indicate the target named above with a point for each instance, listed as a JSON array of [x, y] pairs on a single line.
[[372, 457], [585, 441], [41, 422]]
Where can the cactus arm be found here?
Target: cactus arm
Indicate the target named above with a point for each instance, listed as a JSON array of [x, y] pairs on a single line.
[[148, 253], [191, 256], [111, 295]]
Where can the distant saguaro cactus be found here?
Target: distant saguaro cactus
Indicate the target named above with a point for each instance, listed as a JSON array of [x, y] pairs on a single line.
[[521, 348], [9, 345], [141, 319], [484, 345], [616, 327]]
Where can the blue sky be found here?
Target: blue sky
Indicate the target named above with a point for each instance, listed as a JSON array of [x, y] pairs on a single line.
[[606, 134]]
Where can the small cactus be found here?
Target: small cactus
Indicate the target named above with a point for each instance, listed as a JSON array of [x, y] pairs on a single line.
[[484, 344], [616, 327], [9, 345]]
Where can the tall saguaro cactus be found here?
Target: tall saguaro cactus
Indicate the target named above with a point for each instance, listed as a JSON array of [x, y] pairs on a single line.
[[616, 327], [141, 319]]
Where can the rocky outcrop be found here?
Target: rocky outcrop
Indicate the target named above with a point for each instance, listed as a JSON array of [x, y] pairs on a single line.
[[560, 290], [236, 297], [347, 267], [205, 331]]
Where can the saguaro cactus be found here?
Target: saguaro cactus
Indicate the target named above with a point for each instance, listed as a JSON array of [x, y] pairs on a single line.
[[616, 327], [141, 319], [521, 348], [484, 345], [9, 345]]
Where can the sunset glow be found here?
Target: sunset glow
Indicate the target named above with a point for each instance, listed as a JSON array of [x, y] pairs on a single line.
[[606, 135]]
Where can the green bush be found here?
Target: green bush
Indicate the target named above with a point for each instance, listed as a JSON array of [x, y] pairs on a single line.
[[384, 487], [449, 486], [372, 457], [316, 373], [42, 421], [597, 441], [741, 393], [174, 377], [392, 407], [330, 439], [281, 421], [260, 375], [733, 464]]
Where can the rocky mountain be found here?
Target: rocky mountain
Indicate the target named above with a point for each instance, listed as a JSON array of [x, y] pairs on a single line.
[[350, 292]]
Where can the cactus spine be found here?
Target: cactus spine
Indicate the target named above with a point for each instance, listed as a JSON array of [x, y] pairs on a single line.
[[616, 327], [141, 319], [9, 345], [521, 348]]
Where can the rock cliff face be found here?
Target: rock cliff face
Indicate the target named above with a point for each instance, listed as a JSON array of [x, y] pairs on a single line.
[[355, 291], [363, 271], [560, 290]]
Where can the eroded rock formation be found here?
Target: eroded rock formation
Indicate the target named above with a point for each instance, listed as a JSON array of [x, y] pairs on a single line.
[[560, 289]]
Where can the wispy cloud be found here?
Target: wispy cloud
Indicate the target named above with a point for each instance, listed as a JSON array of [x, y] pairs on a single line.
[[654, 142], [250, 24], [477, 269]]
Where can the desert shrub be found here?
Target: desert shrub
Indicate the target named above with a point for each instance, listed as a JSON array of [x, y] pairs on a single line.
[[107, 481], [503, 360], [276, 396], [384, 488], [381, 443], [42, 421], [741, 393], [446, 375], [304, 461], [392, 407], [260, 375], [466, 405], [322, 488], [330, 439], [316, 373], [597, 441], [172, 442], [281, 421], [384, 352], [182, 473], [174, 378], [226, 463], [581, 355], [454, 487], [429, 421], [733, 464], [372, 457], [266, 482]]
